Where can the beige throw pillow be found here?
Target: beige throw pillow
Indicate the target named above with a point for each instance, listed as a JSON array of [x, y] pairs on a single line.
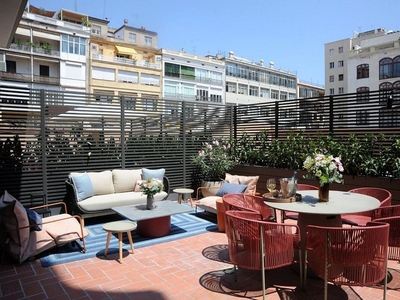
[[250, 181]]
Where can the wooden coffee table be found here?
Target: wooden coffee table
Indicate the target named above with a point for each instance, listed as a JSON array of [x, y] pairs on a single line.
[[155, 222]]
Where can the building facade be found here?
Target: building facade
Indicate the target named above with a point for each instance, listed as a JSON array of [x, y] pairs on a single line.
[[124, 62]]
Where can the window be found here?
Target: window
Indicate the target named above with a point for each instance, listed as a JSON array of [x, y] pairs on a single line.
[[274, 94], [96, 30], [11, 66], [283, 96], [149, 79], [130, 100], [363, 94], [129, 77], [363, 71], [188, 72], [149, 102], [172, 70], [103, 96], [253, 91], [340, 49], [148, 40], [331, 91], [362, 117], [216, 98], [340, 63], [264, 93], [396, 66], [385, 68], [340, 77], [242, 89], [132, 37], [331, 52], [73, 45], [385, 90], [202, 95], [230, 87], [331, 78], [103, 73], [341, 90], [331, 65], [44, 70]]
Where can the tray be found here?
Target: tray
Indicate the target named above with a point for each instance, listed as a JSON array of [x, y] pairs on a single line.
[[280, 199]]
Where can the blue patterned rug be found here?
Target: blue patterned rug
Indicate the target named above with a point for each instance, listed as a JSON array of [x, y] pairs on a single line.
[[182, 226]]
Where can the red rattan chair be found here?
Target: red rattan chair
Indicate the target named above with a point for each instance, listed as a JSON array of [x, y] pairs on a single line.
[[292, 215], [260, 245], [248, 202], [386, 211], [348, 256], [394, 236], [360, 219]]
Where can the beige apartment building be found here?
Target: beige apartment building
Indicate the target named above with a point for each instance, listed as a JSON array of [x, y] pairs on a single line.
[[124, 62]]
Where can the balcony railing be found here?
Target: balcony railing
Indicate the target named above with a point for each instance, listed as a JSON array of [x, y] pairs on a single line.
[[36, 50], [194, 78], [29, 78], [126, 61]]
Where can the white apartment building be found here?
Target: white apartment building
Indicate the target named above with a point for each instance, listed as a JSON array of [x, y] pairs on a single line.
[[250, 83], [370, 61], [193, 78], [48, 51]]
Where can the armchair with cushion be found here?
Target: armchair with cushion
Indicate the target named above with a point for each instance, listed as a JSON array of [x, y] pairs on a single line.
[[24, 233], [232, 184]]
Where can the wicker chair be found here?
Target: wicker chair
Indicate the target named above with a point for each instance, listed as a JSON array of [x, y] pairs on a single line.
[[348, 256], [248, 202], [260, 245], [292, 215], [360, 219]]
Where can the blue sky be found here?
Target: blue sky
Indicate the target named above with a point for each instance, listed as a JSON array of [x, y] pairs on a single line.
[[290, 33]]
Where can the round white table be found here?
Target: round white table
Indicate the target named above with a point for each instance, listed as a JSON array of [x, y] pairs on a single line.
[[119, 227], [181, 192]]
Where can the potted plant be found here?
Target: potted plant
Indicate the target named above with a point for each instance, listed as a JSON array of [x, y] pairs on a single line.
[[212, 162]]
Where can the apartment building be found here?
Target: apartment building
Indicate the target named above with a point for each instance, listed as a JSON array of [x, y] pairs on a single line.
[[48, 51], [249, 83], [188, 77], [370, 61], [125, 62]]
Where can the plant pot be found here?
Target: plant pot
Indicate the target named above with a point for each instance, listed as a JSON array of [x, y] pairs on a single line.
[[323, 192]]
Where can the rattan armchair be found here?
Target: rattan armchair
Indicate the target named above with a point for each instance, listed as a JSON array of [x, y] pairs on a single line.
[[362, 218], [260, 245], [348, 256], [248, 202]]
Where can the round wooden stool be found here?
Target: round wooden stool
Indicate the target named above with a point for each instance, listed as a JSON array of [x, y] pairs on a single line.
[[119, 227]]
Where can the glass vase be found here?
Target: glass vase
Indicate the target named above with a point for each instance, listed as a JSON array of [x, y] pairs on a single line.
[[150, 202], [323, 192]]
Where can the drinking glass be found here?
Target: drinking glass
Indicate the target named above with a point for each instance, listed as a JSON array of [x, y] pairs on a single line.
[[271, 184]]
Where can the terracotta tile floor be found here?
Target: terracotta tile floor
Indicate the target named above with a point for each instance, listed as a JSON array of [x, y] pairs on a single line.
[[190, 268]]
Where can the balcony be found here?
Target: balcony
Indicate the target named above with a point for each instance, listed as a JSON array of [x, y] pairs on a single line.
[[35, 50], [194, 78], [126, 61], [29, 78]]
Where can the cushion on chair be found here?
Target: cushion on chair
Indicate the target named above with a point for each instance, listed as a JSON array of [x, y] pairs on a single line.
[[6, 199], [65, 230], [34, 219], [137, 185], [14, 216], [125, 180], [231, 188], [83, 186], [156, 173], [250, 181]]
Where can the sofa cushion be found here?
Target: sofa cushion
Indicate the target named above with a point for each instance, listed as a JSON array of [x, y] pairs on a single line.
[[14, 216], [156, 173], [34, 219], [231, 188], [102, 182], [6, 199], [208, 203], [250, 181], [125, 180], [83, 186]]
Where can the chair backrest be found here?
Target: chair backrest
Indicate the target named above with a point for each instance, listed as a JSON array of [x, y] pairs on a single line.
[[351, 256], [384, 196], [247, 202], [386, 211], [243, 229], [303, 187], [394, 235]]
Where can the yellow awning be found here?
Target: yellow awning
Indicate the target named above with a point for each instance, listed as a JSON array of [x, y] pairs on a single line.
[[126, 50]]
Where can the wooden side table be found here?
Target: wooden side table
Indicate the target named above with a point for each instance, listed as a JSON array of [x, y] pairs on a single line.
[[181, 192], [119, 227]]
